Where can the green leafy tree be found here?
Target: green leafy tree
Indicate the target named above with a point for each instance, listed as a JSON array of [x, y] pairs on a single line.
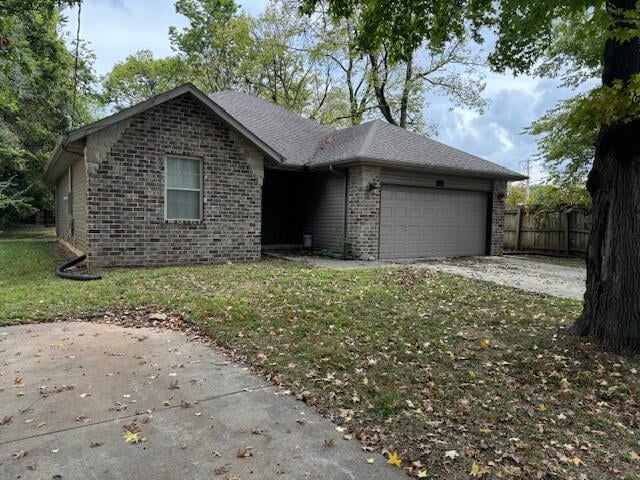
[[524, 33], [140, 76], [36, 101], [280, 69], [334, 45], [548, 197], [401, 86], [216, 44], [566, 148]]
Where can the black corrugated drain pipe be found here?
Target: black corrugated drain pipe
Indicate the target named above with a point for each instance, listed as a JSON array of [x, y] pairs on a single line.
[[60, 271]]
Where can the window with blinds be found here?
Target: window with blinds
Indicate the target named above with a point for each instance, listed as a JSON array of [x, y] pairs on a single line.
[[183, 188]]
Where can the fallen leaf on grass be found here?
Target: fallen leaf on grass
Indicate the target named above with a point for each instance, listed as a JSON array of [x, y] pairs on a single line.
[[394, 459], [634, 456], [20, 454], [478, 471], [452, 454]]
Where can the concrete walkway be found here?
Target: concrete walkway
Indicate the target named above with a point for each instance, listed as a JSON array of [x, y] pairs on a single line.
[[67, 390]]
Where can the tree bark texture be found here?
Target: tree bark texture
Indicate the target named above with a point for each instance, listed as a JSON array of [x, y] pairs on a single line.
[[611, 313]]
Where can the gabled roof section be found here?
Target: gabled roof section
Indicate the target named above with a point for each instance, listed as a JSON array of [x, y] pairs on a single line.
[[295, 138], [53, 170], [378, 142], [297, 142]]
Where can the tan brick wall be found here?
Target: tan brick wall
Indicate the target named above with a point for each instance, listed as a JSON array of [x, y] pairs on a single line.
[[125, 195], [363, 212]]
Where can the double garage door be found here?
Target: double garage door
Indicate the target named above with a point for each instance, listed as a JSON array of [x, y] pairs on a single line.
[[420, 222]]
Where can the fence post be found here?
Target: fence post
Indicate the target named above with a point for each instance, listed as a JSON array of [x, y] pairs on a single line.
[[567, 243], [518, 221]]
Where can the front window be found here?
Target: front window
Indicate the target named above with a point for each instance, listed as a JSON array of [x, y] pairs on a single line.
[[183, 188]]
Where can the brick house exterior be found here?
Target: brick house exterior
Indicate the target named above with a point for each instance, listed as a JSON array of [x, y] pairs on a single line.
[[363, 211], [125, 201], [112, 191]]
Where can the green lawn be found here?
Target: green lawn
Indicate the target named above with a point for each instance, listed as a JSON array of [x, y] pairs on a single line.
[[449, 372], [27, 232]]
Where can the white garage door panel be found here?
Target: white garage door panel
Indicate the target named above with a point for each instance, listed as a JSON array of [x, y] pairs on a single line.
[[425, 222]]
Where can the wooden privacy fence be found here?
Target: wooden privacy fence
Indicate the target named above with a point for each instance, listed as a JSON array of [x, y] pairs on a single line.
[[547, 232]]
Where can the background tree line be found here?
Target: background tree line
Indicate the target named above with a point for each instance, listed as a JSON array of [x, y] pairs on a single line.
[[312, 63]]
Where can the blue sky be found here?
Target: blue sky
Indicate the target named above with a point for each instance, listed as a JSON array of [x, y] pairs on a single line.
[[117, 28]]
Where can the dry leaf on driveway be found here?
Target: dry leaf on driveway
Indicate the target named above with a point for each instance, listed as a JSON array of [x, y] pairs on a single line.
[[20, 454], [133, 437], [244, 452]]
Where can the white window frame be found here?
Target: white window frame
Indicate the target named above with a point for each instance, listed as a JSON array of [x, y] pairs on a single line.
[[200, 190]]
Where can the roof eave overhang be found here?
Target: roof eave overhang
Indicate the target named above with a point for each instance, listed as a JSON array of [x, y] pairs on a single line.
[[52, 170], [354, 161]]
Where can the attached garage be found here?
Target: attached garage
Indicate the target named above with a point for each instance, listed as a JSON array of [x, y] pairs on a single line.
[[420, 222]]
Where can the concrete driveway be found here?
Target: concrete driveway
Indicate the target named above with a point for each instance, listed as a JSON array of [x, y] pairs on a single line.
[[548, 276], [551, 276], [67, 390]]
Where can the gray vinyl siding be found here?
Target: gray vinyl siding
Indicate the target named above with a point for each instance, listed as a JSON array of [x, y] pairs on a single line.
[[402, 177], [76, 236], [324, 216]]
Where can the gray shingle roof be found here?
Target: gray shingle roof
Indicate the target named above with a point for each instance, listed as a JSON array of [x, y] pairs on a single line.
[[294, 137], [304, 142], [381, 142]]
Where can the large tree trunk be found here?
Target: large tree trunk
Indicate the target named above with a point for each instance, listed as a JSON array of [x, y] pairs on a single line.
[[611, 313]]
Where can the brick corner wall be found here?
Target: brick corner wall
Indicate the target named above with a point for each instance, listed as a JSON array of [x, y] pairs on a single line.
[[363, 212], [498, 194], [125, 192]]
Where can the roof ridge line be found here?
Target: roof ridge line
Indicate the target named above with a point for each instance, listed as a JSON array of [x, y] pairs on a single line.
[[367, 138], [276, 105]]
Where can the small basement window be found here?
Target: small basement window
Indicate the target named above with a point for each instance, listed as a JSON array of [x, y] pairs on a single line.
[[183, 188]]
